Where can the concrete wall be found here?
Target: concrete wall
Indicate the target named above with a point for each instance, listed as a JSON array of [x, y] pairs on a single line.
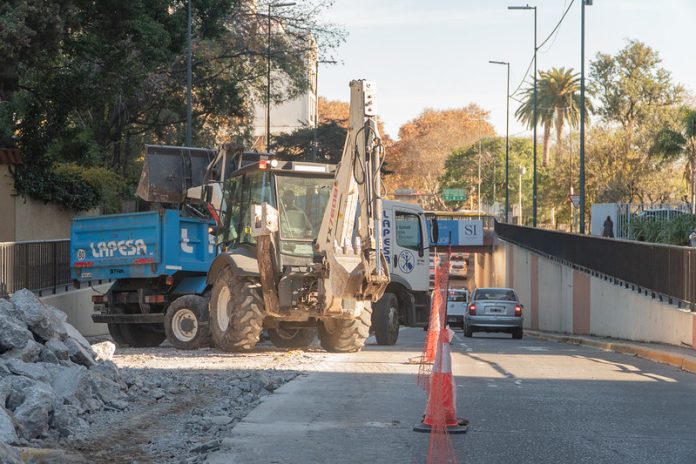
[[7, 205], [23, 219], [77, 304], [558, 298]]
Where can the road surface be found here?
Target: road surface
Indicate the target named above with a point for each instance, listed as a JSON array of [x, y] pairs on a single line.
[[529, 401]]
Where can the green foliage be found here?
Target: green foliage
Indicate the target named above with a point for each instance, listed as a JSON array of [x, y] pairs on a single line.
[[61, 188], [461, 171], [299, 145], [89, 82], [674, 231], [110, 186]]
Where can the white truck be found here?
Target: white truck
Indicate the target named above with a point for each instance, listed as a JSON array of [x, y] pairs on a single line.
[[406, 245]]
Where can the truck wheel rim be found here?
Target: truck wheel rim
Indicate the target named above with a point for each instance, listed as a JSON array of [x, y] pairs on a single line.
[[393, 320], [182, 320], [223, 319]]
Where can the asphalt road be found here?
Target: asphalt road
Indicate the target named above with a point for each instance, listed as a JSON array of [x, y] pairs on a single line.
[[529, 401]]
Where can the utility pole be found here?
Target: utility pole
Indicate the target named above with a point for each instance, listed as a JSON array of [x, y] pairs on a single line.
[[189, 79], [582, 113], [534, 175], [507, 139]]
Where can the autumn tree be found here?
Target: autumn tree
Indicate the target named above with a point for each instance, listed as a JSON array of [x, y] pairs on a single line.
[[418, 157]]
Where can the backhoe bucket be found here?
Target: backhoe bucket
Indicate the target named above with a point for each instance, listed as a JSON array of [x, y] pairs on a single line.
[[168, 172]]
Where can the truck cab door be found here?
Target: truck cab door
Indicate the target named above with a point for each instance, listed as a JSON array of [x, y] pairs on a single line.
[[409, 254]]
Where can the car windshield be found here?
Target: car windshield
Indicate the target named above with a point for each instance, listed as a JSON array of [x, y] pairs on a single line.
[[498, 294], [457, 296]]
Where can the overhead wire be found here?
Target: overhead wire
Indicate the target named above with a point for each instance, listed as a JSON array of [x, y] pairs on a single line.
[[548, 37]]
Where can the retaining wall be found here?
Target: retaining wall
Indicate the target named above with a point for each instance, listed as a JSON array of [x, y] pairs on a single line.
[[559, 298]]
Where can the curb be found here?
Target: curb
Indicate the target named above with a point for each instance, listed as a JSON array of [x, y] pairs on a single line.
[[682, 361]]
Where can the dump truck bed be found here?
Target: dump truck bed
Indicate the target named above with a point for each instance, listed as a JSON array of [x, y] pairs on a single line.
[[139, 245]]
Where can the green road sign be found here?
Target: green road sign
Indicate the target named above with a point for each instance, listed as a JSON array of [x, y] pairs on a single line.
[[453, 194]]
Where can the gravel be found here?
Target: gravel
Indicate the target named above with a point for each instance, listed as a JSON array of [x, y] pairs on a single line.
[[93, 403]]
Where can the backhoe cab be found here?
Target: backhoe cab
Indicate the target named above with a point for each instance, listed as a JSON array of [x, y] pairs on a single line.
[[300, 244]]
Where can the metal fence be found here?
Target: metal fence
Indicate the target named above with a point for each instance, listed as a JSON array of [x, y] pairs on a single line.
[[40, 266], [662, 269], [628, 212]]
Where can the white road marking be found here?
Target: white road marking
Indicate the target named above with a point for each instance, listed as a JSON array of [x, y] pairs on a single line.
[[535, 348]]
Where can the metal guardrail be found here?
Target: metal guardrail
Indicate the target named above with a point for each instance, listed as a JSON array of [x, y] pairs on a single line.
[[41, 266], [662, 269]]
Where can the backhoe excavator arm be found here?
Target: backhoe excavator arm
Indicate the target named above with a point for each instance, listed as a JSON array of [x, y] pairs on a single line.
[[355, 267]]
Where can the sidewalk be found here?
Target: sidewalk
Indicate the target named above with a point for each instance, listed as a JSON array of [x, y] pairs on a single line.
[[682, 358]]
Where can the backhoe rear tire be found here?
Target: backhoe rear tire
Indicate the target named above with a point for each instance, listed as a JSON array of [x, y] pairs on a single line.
[[236, 312], [385, 320], [345, 335], [185, 323], [292, 337]]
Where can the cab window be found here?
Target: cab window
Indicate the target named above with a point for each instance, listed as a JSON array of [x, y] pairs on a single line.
[[408, 231]]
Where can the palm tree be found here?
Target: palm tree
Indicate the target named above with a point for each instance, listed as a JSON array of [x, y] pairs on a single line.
[[681, 143], [558, 103]]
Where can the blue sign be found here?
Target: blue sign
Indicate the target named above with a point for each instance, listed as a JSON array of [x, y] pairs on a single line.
[[455, 232]]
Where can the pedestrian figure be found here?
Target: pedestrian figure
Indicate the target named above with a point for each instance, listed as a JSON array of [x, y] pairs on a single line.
[[608, 228]]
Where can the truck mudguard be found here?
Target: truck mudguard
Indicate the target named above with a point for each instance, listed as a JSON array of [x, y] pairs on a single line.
[[241, 260]]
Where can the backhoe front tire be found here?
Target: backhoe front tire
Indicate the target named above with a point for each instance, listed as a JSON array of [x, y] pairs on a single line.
[[345, 335], [385, 320], [142, 335], [236, 312], [292, 338], [185, 324]]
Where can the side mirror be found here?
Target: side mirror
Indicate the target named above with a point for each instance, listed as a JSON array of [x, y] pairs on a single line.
[[434, 231]]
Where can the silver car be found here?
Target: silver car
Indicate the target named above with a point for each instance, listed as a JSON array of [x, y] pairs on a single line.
[[494, 310], [457, 305]]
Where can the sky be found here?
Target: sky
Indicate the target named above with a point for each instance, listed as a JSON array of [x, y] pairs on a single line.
[[434, 54]]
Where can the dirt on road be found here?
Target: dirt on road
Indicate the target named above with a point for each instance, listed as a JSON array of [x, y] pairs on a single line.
[[180, 403]]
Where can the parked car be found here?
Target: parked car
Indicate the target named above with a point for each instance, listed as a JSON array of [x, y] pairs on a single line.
[[494, 310], [457, 301], [660, 213]]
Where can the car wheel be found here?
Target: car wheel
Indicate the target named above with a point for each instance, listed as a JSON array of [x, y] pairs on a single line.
[[517, 333], [468, 331]]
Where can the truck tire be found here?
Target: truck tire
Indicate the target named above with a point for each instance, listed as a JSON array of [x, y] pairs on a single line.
[[236, 312], [292, 338], [142, 335], [345, 335], [116, 335], [385, 320], [185, 323]]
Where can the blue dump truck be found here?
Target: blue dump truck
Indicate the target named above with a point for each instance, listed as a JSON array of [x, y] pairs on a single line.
[[158, 259]]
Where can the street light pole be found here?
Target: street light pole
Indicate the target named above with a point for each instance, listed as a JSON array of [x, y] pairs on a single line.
[[268, 75], [582, 114], [507, 138], [189, 78], [315, 147], [534, 175]]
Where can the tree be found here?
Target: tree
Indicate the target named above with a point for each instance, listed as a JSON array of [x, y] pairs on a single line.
[[558, 104], [461, 171], [632, 88], [109, 76], [673, 143], [425, 143]]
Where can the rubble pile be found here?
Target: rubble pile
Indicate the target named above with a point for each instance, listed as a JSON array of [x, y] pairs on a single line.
[[50, 375]]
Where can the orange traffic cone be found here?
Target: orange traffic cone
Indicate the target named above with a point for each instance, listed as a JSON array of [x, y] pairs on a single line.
[[441, 410]]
